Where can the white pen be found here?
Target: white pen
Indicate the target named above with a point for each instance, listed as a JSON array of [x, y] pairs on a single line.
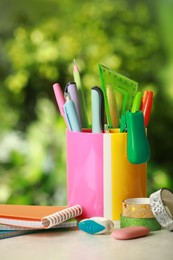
[[97, 102]]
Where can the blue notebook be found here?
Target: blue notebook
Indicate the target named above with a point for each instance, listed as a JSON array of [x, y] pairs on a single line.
[[11, 231]]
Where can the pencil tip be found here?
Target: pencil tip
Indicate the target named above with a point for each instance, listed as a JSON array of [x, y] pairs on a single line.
[[75, 68]]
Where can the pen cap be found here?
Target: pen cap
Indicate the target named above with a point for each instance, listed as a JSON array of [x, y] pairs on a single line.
[[138, 150], [97, 110], [137, 102], [71, 88], [59, 97], [147, 106]]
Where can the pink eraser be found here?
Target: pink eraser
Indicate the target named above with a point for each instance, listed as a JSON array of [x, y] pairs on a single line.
[[130, 232]]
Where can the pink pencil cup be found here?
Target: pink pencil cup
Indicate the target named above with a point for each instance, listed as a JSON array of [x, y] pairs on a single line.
[[85, 172]]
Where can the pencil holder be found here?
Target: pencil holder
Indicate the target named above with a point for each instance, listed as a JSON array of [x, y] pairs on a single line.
[[99, 175]]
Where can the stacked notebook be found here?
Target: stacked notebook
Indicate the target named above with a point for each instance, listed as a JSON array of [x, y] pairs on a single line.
[[23, 219]]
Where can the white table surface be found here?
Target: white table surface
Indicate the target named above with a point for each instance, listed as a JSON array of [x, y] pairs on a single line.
[[76, 244]]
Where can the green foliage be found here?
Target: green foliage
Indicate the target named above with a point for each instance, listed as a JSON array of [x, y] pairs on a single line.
[[33, 169], [39, 40]]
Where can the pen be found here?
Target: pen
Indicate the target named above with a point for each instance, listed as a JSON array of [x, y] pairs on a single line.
[[59, 98], [77, 79], [143, 98], [60, 101], [71, 114], [137, 102], [147, 106], [97, 102], [72, 90]]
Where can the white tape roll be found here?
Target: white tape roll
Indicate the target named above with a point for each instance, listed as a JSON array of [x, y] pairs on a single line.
[[161, 203]]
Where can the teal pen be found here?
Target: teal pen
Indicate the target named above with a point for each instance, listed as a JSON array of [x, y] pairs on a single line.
[[97, 102], [71, 114]]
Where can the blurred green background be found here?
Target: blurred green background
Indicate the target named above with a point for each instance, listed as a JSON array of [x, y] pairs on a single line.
[[38, 41]]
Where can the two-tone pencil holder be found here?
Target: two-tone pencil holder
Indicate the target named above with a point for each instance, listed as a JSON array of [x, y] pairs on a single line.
[[99, 175]]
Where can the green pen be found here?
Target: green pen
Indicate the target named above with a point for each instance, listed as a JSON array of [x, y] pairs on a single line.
[[137, 102], [77, 79]]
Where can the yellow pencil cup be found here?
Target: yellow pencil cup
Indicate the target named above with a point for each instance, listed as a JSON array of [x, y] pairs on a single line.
[[122, 179]]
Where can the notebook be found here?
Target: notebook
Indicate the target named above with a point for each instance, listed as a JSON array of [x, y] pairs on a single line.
[[37, 217], [12, 231], [67, 224]]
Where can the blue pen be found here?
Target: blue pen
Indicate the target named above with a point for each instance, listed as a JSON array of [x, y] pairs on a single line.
[[72, 90], [97, 101], [71, 114]]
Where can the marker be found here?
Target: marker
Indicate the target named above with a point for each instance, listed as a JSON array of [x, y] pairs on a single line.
[[60, 101], [97, 102], [143, 98], [59, 98], [72, 90], [71, 114], [147, 106], [77, 79], [137, 102]]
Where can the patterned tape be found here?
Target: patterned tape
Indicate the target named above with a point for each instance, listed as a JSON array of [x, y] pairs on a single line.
[[161, 203], [137, 208], [150, 223]]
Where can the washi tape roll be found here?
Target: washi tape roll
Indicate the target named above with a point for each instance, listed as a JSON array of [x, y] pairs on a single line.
[[150, 223], [137, 208], [161, 203]]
